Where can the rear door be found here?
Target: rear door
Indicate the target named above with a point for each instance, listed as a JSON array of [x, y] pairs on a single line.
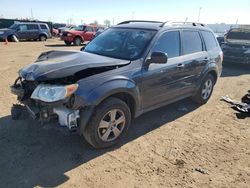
[[89, 33], [33, 31], [194, 56]]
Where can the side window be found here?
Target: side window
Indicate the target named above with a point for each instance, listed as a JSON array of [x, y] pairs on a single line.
[[43, 27], [209, 39], [89, 29], [191, 42], [23, 27], [32, 27], [169, 43]]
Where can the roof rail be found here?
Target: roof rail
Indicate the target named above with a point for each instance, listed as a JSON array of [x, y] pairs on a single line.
[[138, 21], [182, 23], [189, 23]]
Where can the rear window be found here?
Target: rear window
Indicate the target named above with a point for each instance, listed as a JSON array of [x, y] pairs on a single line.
[[32, 26], [43, 27], [191, 42], [209, 39], [239, 34]]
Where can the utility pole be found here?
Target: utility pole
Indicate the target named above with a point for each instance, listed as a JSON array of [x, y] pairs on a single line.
[[199, 15], [31, 13], [133, 15]]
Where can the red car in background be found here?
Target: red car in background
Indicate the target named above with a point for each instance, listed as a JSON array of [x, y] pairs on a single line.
[[81, 34]]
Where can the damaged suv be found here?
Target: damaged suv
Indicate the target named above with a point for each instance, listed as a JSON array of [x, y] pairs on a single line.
[[129, 69], [236, 47]]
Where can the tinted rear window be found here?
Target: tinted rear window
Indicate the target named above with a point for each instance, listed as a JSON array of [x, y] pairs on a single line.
[[32, 26], [209, 39], [191, 42], [239, 34], [43, 27]]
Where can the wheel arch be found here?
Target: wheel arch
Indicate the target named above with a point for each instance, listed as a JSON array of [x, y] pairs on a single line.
[[123, 89]]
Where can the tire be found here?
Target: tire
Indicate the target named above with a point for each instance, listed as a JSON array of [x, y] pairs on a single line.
[[205, 91], [78, 41], [43, 38], [67, 43], [103, 131]]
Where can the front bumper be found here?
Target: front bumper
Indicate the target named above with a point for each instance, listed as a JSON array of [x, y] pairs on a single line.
[[63, 110]]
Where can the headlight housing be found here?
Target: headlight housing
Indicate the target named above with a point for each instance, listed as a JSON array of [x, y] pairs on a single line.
[[1, 32], [53, 93], [69, 35]]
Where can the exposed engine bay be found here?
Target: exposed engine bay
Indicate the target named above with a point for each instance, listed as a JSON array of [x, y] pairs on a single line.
[[45, 89]]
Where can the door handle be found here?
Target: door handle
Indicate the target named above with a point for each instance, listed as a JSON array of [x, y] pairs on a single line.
[[180, 65]]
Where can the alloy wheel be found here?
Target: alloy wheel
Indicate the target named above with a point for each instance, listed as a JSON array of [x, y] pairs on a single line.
[[111, 125]]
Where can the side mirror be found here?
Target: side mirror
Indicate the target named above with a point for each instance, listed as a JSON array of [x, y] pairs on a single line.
[[158, 57]]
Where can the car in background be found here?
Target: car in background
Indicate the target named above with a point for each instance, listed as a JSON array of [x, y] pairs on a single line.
[[26, 31], [82, 33], [66, 28], [55, 32], [236, 47]]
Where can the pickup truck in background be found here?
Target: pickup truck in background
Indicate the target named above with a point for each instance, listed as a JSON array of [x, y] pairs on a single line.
[[81, 34]]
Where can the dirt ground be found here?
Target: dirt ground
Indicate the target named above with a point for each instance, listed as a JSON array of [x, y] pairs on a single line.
[[200, 146]]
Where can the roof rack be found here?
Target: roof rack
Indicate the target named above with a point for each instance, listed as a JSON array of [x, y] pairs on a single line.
[[183, 23], [139, 21]]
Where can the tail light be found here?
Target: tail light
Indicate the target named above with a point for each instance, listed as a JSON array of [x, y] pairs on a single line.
[[221, 56]]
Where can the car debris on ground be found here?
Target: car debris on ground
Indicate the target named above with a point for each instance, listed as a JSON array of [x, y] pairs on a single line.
[[243, 106]]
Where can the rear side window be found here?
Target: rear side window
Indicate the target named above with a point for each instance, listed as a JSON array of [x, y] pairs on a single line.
[[43, 27], [23, 27], [209, 39], [191, 42], [169, 43], [89, 29], [32, 27]]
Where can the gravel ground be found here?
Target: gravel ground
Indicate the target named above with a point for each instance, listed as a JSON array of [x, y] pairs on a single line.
[[180, 145]]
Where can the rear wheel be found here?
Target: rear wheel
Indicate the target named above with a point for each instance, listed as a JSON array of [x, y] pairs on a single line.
[[205, 91], [77, 41], [108, 124], [42, 38]]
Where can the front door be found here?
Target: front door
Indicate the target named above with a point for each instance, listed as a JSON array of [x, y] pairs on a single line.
[[22, 31], [165, 82]]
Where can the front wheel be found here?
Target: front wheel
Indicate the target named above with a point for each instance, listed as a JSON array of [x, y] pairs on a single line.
[[108, 124], [67, 43], [205, 91]]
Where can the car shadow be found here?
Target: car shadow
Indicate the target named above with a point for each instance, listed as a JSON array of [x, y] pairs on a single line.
[[35, 154], [58, 45], [230, 69]]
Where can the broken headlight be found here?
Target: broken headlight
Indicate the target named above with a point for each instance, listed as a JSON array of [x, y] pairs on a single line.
[[53, 93]]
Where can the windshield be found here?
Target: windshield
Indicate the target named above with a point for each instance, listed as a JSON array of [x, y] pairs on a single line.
[[14, 26], [239, 34], [126, 44], [80, 28]]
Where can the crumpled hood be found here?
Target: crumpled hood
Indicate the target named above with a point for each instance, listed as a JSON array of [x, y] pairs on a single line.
[[60, 64]]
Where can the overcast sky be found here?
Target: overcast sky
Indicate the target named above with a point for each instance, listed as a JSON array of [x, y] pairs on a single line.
[[82, 11]]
